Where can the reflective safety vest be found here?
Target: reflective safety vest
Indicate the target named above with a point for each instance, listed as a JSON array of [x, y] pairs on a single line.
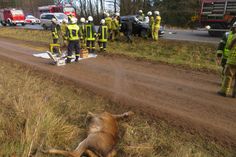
[[232, 53], [151, 21], [103, 33], [228, 42], [63, 28], [54, 32], [82, 31], [73, 32], [108, 21], [90, 32]]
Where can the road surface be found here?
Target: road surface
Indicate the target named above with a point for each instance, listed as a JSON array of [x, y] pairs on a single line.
[[184, 98]]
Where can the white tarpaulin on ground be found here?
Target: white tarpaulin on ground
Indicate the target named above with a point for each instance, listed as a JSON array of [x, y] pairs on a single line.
[[46, 56]]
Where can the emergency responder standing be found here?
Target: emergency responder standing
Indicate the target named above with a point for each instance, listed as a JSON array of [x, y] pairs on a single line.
[[55, 35], [54, 28], [72, 35], [102, 35], [141, 15], [119, 25], [108, 21], [82, 33], [151, 24], [90, 35], [115, 27], [230, 68], [63, 32], [222, 50], [157, 24]]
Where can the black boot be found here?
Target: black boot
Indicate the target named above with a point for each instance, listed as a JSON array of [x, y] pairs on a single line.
[[76, 58], [68, 60]]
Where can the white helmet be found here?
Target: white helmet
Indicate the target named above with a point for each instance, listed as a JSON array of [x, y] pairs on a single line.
[[54, 20], [82, 20], [117, 14], [90, 19], [149, 13], [140, 11], [102, 21], [157, 13], [65, 21], [74, 20], [234, 25]]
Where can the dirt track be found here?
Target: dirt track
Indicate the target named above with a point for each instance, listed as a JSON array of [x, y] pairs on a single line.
[[182, 97]]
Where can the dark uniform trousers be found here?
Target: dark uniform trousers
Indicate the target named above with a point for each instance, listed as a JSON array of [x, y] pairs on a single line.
[[73, 44]]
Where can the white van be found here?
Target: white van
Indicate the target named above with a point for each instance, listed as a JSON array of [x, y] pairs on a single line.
[[46, 19]]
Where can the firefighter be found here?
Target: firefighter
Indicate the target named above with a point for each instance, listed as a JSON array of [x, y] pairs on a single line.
[[82, 33], [141, 15], [108, 21], [102, 35], [230, 68], [222, 50], [151, 23], [90, 35], [72, 35], [55, 36], [114, 27], [157, 24], [63, 32]]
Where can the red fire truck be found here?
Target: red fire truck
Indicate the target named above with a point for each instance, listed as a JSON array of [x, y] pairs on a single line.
[[12, 17], [217, 15], [66, 9]]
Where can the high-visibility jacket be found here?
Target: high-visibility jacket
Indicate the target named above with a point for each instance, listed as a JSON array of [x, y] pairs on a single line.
[[232, 53], [54, 31], [72, 32], [90, 32], [63, 28], [151, 21], [222, 50], [103, 33], [115, 24], [82, 31], [157, 22], [108, 21]]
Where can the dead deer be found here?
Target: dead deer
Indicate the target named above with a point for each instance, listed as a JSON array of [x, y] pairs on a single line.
[[101, 139]]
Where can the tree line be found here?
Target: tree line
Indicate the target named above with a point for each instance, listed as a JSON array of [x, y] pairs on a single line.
[[173, 12]]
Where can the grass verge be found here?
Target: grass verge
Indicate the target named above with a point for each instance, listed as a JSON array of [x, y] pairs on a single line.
[[189, 54], [40, 111]]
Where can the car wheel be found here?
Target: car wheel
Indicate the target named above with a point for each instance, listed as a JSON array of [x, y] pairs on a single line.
[[23, 24], [143, 33]]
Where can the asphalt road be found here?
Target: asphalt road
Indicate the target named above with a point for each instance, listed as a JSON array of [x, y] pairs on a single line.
[[172, 34]]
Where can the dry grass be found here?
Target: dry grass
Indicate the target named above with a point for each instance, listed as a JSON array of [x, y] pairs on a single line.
[[190, 54], [38, 113]]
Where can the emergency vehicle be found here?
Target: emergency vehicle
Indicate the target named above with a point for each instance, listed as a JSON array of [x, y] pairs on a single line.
[[66, 9], [217, 15], [12, 17]]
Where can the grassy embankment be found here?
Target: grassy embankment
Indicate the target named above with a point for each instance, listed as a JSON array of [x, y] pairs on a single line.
[[38, 112], [189, 54]]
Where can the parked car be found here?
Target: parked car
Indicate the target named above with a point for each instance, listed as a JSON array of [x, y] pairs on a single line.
[[140, 28], [12, 17], [30, 19], [46, 19]]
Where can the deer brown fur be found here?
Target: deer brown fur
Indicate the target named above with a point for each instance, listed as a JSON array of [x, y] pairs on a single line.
[[101, 139]]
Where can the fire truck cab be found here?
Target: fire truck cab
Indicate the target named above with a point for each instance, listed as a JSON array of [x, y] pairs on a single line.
[[217, 15], [12, 17], [66, 9]]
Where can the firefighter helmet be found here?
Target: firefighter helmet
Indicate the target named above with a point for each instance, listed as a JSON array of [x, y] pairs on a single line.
[[149, 13], [117, 14], [140, 11], [82, 20], [234, 25], [102, 21], [54, 20], [157, 13], [90, 19], [74, 20]]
